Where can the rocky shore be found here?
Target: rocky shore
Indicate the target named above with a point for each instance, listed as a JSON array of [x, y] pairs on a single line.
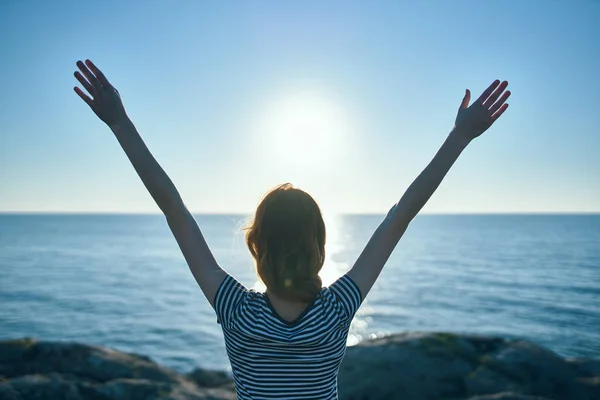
[[409, 366]]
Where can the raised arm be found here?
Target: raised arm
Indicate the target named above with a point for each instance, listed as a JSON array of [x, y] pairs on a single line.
[[106, 103], [471, 122]]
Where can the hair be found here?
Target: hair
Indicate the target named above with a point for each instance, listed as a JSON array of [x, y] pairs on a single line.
[[287, 241]]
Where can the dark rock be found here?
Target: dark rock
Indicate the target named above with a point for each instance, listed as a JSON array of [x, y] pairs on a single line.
[[536, 370], [445, 366], [484, 380], [585, 366], [50, 386], [73, 371], [208, 378], [26, 356], [8, 393], [592, 386], [507, 396], [410, 366]]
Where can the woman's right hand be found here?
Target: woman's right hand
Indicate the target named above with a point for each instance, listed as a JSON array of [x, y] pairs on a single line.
[[472, 121], [105, 101]]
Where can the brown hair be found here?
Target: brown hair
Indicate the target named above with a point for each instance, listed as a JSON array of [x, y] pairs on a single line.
[[287, 240]]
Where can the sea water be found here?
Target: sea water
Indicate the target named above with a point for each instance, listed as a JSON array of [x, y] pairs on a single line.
[[121, 281]]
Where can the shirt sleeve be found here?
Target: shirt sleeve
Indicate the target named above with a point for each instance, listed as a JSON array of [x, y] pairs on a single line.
[[348, 295], [228, 298]]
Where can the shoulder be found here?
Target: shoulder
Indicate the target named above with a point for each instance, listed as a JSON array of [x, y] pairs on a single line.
[[345, 294], [230, 296]]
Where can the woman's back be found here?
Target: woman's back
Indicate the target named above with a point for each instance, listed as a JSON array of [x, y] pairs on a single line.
[[272, 358]]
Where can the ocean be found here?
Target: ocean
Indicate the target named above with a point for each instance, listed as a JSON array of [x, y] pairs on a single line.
[[121, 281]]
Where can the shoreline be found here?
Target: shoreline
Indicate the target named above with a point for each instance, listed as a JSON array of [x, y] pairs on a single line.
[[413, 365]]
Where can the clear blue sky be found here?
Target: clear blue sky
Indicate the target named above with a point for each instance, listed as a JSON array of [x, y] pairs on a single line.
[[348, 100]]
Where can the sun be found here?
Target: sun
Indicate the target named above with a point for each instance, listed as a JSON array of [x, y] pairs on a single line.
[[303, 128]]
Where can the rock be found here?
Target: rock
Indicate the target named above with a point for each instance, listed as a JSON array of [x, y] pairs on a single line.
[[507, 396], [407, 366], [445, 366], [50, 386], [484, 380], [6, 393], [410, 366], [537, 370], [208, 378], [585, 366], [26, 356], [72, 371], [592, 386]]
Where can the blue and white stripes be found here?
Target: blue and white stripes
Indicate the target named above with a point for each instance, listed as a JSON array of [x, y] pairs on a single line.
[[275, 359]]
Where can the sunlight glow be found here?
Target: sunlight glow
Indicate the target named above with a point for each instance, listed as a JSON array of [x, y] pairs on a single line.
[[304, 128], [332, 270], [304, 132]]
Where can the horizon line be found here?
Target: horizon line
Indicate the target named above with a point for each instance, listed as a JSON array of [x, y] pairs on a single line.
[[233, 213]]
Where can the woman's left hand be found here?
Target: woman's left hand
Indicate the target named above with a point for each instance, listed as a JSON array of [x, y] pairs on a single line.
[[105, 100]]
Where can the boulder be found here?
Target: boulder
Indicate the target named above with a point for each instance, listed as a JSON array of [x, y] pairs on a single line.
[[209, 378], [408, 366], [507, 396], [585, 366], [424, 366], [30, 369]]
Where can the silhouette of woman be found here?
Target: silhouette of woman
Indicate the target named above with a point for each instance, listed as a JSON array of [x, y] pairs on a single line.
[[288, 342]]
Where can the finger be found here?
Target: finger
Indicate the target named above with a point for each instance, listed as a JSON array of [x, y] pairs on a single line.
[[466, 99], [85, 83], [488, 91], [499, 112], [488, 103], [83, 96], [499, 103], [90, 77], [98, 73]]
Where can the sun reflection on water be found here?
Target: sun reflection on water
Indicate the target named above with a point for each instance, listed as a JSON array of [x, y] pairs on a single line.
[[332, 270]]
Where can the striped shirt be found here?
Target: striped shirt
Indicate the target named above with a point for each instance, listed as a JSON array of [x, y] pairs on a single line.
[[274, 359]]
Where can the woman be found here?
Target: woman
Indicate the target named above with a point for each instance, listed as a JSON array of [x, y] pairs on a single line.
[[288, 342]]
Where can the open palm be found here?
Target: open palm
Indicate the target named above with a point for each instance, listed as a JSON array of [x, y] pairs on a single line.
[[105, 101], [475, 119]]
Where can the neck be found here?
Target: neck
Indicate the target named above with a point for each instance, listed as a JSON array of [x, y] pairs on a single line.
[[274, 298]]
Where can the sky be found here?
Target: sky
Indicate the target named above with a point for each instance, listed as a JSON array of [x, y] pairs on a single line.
[[348, 100]]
